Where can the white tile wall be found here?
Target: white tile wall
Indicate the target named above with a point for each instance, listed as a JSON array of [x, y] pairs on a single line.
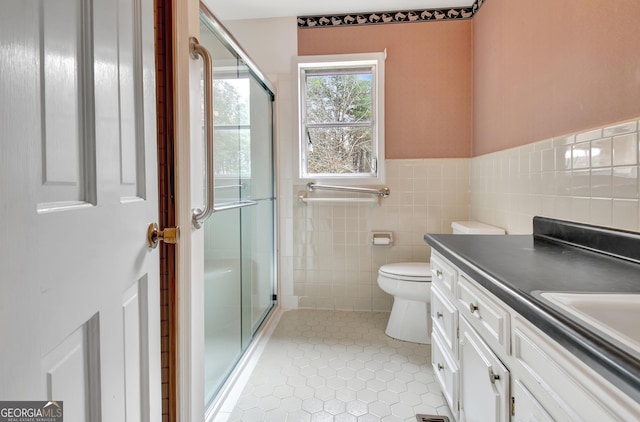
[[590, 177], [327, 262], [333, 263]]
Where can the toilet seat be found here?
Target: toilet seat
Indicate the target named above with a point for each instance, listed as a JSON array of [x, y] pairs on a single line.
[[408, 271]]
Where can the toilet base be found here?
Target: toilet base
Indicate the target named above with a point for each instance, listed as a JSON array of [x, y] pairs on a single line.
[[409, 321]]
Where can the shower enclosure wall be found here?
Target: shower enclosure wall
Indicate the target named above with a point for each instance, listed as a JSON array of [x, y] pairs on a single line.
[[240, 271]]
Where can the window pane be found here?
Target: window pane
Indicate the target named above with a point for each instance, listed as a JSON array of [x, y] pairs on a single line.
[[232, 155], [339, 150], [339, 98], [232, 135], [231, 101]]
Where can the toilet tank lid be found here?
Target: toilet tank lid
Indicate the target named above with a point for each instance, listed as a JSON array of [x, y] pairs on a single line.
[[475, 227], [409, 269]]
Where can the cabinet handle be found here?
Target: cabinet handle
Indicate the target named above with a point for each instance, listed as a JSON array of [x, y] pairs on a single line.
[[473, 308], [439, 273], [440, 367], [439, 315], [493, 377]]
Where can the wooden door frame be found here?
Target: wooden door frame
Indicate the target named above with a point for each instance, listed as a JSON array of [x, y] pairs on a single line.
[[166, 203], [181, 339]]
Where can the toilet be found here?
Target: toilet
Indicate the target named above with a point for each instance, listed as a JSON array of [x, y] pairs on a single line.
[[474, 227], [410, 285]]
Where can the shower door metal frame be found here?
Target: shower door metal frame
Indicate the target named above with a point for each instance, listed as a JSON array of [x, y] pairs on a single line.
[[232, 44], [188, 343]]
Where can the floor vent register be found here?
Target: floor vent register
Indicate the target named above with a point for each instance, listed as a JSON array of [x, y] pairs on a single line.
[[431, 418]]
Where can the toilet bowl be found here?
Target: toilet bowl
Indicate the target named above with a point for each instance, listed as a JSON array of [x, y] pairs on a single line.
[[410, 285]]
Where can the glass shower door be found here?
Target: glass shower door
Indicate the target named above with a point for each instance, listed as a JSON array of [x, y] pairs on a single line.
[[239, 273], [258, 222]]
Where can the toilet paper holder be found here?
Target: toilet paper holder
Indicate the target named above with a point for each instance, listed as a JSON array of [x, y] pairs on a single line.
[[382, 238]]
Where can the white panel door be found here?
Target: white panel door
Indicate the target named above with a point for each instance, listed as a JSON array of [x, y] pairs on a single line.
[[79, 288]]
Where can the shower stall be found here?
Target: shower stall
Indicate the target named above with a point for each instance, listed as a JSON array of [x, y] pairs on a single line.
[[239, 246]]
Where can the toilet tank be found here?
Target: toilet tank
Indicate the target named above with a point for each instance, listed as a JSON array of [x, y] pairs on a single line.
[[474, 227]]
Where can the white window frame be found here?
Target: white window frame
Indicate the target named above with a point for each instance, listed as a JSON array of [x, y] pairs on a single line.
[[341, 61]]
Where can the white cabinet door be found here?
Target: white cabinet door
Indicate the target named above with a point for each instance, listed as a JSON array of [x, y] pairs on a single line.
[[79, 290], [484, 380], [526, 408]]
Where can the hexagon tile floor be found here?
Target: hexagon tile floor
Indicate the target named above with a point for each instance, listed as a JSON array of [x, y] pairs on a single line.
[[339, 366]]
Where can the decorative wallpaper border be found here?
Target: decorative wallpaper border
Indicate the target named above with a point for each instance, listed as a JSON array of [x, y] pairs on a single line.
[[402, 16]]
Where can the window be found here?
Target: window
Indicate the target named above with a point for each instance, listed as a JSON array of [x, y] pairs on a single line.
[[231, 126], [341, 118]]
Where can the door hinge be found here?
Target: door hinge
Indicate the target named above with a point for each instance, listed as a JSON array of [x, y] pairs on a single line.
[[457, 332], [168, 235], [274, 297], [513, 406]]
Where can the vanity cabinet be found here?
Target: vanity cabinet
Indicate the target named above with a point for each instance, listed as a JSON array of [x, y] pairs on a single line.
[[474, 381], [494, 365]]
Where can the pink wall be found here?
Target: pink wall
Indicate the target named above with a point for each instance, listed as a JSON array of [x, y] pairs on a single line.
[[545, 68], [428, 81]]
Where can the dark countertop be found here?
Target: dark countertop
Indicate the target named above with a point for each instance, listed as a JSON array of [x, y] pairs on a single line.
[[515, 268]]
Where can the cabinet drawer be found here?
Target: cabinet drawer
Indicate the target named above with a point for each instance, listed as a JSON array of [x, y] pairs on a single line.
[[443, 272], [485, 313], [444, 315], [446, 372], [568, 388]]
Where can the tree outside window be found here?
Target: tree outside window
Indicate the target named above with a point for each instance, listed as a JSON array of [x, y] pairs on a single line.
[[342, 117], [339, 123]]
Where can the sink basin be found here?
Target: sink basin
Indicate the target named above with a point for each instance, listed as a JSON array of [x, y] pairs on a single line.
[[616, 314]]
